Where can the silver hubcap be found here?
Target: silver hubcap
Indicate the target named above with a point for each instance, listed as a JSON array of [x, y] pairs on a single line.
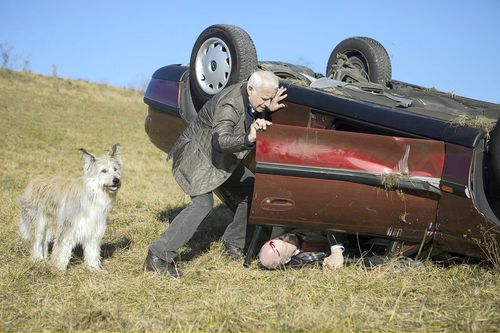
[[213, 65]]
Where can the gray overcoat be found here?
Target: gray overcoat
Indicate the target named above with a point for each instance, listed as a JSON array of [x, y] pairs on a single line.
[[212, 146]]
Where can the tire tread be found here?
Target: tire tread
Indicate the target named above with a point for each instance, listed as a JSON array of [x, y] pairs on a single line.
[[381, 71]]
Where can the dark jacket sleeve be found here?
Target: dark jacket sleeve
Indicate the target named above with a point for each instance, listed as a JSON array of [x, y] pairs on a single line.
[[224, 138]]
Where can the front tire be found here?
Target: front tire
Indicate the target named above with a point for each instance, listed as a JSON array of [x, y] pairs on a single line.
[[222, 55]]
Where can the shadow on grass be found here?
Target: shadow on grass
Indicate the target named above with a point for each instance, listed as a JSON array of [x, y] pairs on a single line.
[[210, 230], [107, 250]]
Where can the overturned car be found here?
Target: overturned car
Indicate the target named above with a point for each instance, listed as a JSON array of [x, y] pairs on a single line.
[[406, 169]]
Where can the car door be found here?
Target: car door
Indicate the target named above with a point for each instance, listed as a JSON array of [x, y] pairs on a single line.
[[347, 181]]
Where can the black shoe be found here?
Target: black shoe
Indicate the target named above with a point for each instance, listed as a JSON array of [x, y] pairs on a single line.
[[232, 251], [157, 264]]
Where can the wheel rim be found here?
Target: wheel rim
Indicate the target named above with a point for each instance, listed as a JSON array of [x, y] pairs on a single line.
[[358, 61], [213, 65]]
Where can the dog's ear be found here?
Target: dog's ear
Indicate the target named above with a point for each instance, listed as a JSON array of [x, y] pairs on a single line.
[[88, 158], [114, 152]]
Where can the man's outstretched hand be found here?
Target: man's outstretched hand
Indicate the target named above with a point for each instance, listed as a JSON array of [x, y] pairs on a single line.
[[276, 101]]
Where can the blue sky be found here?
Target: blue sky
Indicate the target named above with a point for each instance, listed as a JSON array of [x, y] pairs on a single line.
[[450, 45]]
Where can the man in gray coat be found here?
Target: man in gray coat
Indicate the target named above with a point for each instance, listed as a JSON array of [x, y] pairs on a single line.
[[208, 155]]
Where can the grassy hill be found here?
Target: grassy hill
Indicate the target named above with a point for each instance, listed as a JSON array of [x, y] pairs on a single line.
[[43, 122]]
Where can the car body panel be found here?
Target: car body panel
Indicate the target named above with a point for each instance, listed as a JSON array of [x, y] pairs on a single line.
[[349, 151], [164, 122], [381, 114], [163, 128], [164, 92], [308, 176], [466, 222], [165, 88], [460, 227]]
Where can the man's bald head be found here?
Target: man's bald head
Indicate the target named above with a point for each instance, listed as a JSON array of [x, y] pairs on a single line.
[[262, 87], [260, 79], [276, 252]]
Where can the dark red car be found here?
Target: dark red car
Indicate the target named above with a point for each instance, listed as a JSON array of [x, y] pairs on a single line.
[[395, 165]]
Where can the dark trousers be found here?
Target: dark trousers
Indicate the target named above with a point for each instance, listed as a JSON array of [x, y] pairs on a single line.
[[184, 225]]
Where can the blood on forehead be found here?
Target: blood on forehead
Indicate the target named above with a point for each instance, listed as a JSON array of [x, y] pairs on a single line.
[[273, 247]]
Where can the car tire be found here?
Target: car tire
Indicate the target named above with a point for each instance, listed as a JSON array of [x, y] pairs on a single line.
[[221, 56], [366, 54]]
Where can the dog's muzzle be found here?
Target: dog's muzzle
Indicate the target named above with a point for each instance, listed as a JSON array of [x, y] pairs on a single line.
[[115, 186]]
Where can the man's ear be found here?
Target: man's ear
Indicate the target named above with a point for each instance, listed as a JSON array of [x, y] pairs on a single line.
[[114, 152], [88, 158], [250, 90]]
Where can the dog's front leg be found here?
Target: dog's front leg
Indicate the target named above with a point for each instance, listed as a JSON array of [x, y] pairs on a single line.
[[38, 252], [92, 253], [61, 253]]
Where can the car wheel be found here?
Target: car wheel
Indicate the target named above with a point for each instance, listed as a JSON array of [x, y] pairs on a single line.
[[367, 55], [222, 55]]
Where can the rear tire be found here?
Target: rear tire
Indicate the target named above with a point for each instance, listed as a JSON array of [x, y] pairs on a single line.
[[366, 54], [222, 55]]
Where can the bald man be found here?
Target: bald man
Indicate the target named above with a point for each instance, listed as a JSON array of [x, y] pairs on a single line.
[[280, 250], [209, 155]]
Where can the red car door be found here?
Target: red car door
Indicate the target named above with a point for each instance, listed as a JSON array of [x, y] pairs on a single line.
[[347, 181]]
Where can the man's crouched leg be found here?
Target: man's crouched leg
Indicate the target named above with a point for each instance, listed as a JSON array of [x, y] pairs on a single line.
[[161, 254], [232, 251], [239, 184], [157, 264]]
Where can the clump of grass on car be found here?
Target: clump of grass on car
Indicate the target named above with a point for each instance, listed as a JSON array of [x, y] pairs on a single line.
[[480, 122]]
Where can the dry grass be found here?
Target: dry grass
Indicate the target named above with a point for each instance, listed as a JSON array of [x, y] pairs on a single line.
[[480, 122], [391, 180], [295, 81], [45, 120]]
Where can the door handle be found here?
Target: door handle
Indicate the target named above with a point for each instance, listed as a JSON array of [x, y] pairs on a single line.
[[277, 204]]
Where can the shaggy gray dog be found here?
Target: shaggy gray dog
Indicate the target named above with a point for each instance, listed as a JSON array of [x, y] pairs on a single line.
[[71, 211]]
